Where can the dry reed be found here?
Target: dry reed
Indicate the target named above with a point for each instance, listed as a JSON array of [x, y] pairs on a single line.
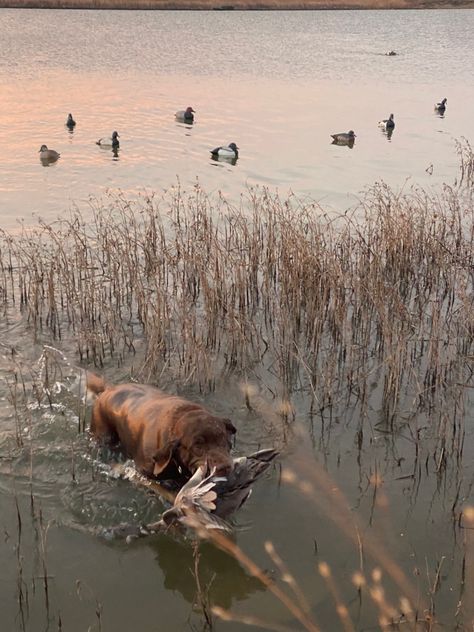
[[275, 290]]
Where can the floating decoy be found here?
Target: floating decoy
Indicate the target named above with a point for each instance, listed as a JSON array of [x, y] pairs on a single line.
[[48, 155], [226, 151], [344, 137], [186, 115], [70, 121], [109, 142], [441, 106], [391, 53], [387, 123]]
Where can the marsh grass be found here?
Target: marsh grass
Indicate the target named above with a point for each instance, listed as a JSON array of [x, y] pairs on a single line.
[[275, 290]]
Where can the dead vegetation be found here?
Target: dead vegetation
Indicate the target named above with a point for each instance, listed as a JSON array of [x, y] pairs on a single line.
[[373, 308]]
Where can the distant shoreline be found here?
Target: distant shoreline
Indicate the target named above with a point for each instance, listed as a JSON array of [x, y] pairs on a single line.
[[237, 5]]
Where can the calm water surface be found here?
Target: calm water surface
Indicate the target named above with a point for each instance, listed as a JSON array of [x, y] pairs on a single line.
[[277, 84]]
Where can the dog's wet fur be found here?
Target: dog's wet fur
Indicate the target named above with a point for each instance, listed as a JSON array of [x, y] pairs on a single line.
[[167, 436]]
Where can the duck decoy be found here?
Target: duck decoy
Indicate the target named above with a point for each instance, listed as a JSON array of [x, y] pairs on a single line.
[[345, 139], [441, 106], [391, 53], [48, 155], [186, 115], [226, 151], [109, 142], [387, 123], [344, 136], [70, 121]]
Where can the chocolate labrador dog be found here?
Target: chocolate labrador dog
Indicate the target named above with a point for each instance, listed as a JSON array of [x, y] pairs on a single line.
[[167, 436]]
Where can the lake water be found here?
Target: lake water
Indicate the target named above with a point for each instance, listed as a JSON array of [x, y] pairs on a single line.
[[278, 84]]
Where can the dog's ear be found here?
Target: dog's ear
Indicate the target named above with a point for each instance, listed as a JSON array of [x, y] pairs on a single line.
[[230, 426], [163, 456]]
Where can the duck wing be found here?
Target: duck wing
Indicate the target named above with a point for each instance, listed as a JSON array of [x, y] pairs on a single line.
[[195, 503], [201, 519], [198, 492], [233, 492]]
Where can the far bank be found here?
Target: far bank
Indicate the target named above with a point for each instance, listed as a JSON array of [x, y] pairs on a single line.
[[237, 5]]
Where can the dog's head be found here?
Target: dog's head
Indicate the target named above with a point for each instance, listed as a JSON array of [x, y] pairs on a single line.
[[198, 441]]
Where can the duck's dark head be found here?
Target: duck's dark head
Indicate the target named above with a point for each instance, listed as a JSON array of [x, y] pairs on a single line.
[[189, 114]]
